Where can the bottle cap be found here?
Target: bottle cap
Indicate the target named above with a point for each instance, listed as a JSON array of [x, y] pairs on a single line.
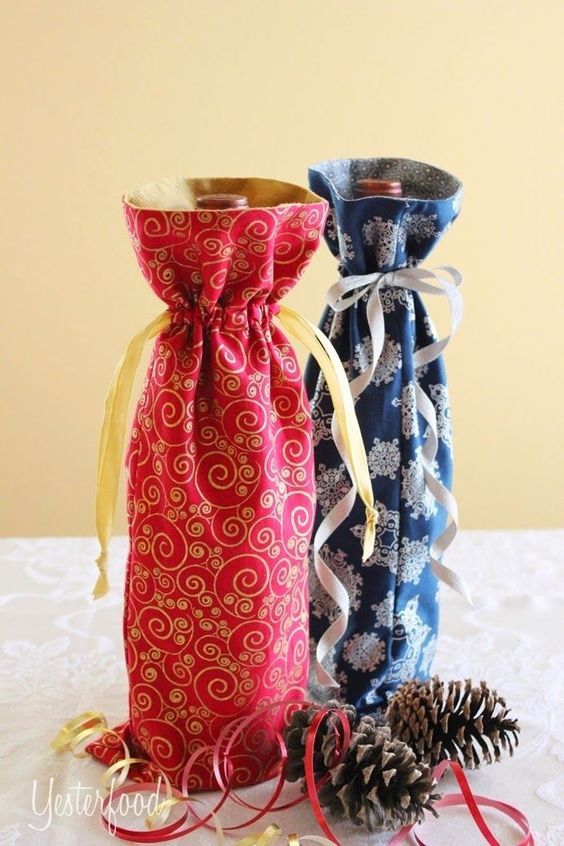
[[222, 201], [374, 187]]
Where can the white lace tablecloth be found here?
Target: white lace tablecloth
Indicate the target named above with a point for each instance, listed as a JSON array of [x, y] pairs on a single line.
[[62, 654]]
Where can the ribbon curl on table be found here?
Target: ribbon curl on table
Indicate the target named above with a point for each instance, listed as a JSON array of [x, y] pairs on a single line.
[[91, 722], [115, 414], [473, 802], [341, 296]]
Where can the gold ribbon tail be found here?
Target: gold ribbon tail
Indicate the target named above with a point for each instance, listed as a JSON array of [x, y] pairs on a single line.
[[111, 443], [324, 353]]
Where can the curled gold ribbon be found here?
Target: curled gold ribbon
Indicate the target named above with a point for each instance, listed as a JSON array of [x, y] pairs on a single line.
[[91, 723], [270, 834], [85, 726], [78, 729], [122, 766]]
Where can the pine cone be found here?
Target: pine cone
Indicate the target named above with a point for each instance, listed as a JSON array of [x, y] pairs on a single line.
[[295, 736], [380, 784], [457, 721]]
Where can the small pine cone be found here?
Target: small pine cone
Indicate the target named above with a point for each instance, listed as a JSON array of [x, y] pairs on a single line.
[[380, 784], [452, 721], [295, 735]]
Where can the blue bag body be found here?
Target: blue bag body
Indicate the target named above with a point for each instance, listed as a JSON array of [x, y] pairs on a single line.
[[393, 617]]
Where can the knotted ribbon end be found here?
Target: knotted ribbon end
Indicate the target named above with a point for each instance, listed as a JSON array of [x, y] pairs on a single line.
[[369, 532], [102, 586]]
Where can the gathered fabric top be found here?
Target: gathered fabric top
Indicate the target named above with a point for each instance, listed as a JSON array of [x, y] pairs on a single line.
[[223, 257], [369, 234]]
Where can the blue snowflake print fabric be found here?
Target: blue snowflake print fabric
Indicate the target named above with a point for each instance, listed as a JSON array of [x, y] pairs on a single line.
[[393, 616]]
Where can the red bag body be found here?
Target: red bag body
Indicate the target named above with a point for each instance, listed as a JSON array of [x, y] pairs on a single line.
[[221, 491]]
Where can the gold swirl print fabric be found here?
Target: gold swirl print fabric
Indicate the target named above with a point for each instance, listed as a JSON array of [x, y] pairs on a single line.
[[221, 490]]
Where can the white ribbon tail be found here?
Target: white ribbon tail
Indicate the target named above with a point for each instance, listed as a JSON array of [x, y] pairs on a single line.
[[425, 407], [442, 496], [334, 587]]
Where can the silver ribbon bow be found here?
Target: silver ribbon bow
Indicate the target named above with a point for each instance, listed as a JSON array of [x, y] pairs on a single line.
[[341, 296]]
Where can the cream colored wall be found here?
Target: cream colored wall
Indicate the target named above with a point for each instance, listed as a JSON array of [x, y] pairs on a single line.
[[104, 95]]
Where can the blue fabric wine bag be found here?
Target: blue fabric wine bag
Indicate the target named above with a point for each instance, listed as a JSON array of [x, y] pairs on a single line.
[[380, 329]]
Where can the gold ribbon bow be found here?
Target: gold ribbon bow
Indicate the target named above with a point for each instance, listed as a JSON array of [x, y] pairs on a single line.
[[115, 418]]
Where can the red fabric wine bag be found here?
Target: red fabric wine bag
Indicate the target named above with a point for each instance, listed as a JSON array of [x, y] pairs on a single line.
[[220, 496]]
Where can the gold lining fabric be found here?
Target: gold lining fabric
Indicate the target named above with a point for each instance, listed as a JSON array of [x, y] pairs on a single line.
[[180, 194]]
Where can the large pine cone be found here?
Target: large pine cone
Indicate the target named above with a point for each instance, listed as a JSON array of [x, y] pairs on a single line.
[[295, 736], [380, 784], [452, 721]]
